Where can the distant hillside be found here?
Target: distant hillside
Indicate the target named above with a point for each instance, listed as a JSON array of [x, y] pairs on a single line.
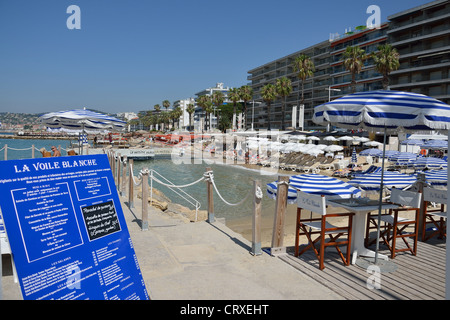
[[18, 118]]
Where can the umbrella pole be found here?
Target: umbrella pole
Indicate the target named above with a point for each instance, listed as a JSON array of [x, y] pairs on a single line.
[[377, 246]]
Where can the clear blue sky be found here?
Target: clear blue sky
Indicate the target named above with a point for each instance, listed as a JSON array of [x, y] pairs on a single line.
[[130, 55]]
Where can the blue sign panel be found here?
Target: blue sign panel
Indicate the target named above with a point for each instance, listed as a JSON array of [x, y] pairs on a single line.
[[67, 230]]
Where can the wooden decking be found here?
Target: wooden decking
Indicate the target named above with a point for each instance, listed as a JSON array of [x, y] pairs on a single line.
[[420, 277]]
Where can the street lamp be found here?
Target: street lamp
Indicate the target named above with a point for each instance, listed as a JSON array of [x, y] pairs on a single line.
[[329, 92], [329, 99]]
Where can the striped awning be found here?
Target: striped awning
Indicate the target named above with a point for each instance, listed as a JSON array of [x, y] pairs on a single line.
[[316, 184], [429, 163]]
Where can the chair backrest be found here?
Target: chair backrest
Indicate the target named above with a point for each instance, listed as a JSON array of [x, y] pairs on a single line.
[[435, 195], [406, 198], [312, 202]]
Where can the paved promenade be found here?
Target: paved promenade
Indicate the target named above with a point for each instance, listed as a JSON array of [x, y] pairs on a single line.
[[202, 261]]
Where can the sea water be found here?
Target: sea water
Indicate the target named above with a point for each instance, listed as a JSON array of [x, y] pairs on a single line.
[[234, 182]]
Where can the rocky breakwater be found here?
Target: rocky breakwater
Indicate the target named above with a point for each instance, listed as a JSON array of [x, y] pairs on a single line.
[[165, 206]]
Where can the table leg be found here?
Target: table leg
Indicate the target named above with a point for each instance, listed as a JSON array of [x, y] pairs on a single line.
[[358, 248]]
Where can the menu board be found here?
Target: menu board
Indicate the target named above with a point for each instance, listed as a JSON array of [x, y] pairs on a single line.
[[67, 230]]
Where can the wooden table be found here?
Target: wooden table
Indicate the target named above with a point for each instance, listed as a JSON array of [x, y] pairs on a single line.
[[361, 207]]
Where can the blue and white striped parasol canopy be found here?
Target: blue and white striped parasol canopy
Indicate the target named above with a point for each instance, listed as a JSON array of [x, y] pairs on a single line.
[[371, 152], [82, 120], [429, 163], [388, 109], [354, 156], [403, 157], [372, 181], [434, 144], [316, 184], [412, 142], [436, 177]]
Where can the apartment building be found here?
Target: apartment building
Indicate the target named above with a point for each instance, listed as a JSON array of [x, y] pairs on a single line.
[[421, 35]]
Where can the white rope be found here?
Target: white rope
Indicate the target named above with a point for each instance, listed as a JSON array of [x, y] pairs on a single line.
[[258, 193], [174, 186], [211, 179], [132, 176], [10, 148]]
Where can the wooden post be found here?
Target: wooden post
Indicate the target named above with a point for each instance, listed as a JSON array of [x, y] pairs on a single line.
[[113, 167], [280, 214], [32, 151], [130, 184], [144, 219], [6, 152], [256, 223], [209, 189]]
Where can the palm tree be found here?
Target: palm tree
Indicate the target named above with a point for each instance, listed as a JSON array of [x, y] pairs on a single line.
[[269, 94], [157, 107], [246, 93], [386, 60], [304, 67], [353, 61], [166, 104], [233, 95], [205, 103], [283, 88], [217, 99], [190, 109]]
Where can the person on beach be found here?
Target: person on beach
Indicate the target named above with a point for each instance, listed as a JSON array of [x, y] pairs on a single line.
[[56, 152]]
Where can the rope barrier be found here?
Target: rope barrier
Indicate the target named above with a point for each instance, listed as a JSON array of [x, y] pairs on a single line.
[[174, 186], [211, 179]]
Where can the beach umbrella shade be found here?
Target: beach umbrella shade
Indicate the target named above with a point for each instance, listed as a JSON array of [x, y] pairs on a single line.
[[436, 177], [330, 138], [386, 110], [316, 184], [403, 157], [354, 156], [371, 152], [434, 144], [412, 142], [372, 181], [373, 144], [82, 121], [429, 163], [333, 148]]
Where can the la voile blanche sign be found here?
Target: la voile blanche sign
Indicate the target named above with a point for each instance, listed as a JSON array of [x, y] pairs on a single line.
[[67, 231]]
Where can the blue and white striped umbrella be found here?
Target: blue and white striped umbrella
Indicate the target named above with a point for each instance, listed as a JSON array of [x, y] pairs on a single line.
[[371, 152], [412, 142], [354, 156], [372, 181], [375, 110], [429, 163], [403, 158], [436, 177], [316, 184], [434, 144], [81, 120]]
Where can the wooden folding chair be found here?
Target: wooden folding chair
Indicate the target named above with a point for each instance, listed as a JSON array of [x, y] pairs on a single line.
[[395, 226], [436, 217], [319, 226]]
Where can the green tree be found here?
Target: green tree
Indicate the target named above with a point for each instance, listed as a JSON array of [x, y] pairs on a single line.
[[157, 107], [217, 99], [354, 61], [205, 103], [283, 87], [166, 104], [190, 109], [386, 60], [304, 67], [246, 93], [269, 94], [234, 96]]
